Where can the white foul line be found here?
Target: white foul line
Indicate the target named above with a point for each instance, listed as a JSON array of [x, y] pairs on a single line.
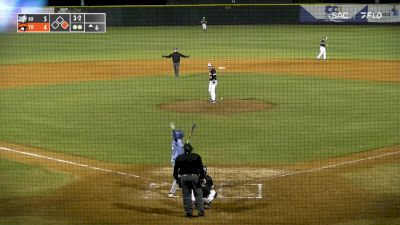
[[259, 186], [71, 163], [333, 165]]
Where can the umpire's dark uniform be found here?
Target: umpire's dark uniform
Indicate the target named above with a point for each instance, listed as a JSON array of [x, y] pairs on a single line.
[[176, 59], [189, 169]]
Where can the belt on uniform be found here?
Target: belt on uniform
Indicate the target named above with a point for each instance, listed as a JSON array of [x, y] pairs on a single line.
[[189, 174]]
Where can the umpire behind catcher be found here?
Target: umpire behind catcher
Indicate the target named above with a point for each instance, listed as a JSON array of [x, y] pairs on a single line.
[[176, 59], [189, 169]]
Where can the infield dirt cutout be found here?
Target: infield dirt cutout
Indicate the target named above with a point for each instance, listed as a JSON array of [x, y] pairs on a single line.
[[309, 196], [17, 76]]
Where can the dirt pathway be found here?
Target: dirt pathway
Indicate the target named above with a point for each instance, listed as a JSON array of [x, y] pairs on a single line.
[[304, 193], [13, 76]]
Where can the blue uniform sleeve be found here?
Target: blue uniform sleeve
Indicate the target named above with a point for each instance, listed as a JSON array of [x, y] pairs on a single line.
[[177, 149]]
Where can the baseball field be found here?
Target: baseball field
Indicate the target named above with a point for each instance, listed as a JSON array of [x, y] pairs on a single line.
[[85, 135]]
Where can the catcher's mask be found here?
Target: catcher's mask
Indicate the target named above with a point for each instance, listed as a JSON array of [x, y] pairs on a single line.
[[188, 147], [178, 134]]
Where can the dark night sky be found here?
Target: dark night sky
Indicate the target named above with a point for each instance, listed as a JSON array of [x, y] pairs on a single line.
[[164, 2], [105, 2]]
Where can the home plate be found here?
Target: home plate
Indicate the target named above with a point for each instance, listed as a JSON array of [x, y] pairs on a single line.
[[221, 67]]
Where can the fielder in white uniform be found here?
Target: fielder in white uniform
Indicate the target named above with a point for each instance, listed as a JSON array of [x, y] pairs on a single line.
[[204, 24], [322, 49], [212, 82], [176, 150]]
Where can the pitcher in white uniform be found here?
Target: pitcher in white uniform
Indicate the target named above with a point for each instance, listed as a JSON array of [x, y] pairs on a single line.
[[212, 82]]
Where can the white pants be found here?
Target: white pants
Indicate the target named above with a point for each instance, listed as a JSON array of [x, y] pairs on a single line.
[[204, 26], [174, 185], [211, 90], [322, 52], [206, 199]]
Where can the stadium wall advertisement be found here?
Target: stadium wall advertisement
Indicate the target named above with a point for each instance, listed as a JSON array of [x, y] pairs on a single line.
[[349, 14]]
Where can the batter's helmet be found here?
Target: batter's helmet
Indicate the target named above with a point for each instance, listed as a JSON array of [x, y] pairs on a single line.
[[178, 134], [188, 147]]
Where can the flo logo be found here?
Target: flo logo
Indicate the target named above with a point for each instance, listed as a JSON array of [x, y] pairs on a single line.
[[371, 15]]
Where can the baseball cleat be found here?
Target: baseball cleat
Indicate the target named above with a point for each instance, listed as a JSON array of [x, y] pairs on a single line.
[[201, 213], [171, 195]]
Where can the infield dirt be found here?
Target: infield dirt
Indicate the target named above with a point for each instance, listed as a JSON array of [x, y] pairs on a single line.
[[15, 76]]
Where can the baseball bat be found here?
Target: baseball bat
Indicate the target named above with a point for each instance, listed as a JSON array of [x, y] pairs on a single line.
[[191, 132]]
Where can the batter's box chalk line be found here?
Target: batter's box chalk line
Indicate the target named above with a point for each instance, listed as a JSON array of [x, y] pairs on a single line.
[[244, 191], [224, 190]]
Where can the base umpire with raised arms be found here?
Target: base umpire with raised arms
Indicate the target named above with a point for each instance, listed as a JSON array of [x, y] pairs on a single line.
[[189, 171], [176, 60]]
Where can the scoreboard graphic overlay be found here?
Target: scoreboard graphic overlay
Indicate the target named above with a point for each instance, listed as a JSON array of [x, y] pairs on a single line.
[[62, 23]]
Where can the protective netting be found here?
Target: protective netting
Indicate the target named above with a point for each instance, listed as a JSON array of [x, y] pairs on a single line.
[[296, 113]]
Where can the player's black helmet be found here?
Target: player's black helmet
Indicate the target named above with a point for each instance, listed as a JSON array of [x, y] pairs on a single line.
[[187, 147]]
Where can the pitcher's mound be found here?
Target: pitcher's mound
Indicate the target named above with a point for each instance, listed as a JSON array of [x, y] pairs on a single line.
[[221, 107]]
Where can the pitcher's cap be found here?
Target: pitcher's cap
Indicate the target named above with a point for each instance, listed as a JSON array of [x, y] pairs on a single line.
[[209, 65]]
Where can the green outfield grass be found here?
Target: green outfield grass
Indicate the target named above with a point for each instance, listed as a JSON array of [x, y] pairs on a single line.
[[119, 120], [262, 41]]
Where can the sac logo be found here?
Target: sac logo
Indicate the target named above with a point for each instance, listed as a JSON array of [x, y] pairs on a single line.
[[339, 16], [336, 13]]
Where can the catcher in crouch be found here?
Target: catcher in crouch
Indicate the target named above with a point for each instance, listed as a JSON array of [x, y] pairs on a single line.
[[209, 193]]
